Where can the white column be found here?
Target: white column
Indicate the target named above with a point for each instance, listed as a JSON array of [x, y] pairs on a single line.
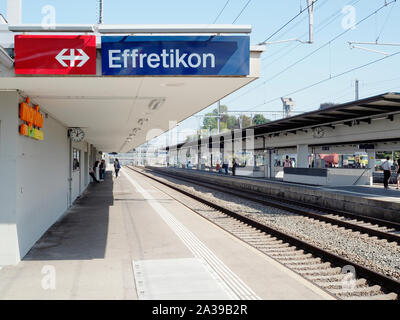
[[14, 11], [302, 156], [266, 163], [371, 165]]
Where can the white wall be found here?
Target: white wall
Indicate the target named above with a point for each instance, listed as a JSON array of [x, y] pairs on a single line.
[[9, 249], [34, 186], [42, 182]]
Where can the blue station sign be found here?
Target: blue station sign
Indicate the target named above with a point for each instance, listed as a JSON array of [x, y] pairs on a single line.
[[175, 55]]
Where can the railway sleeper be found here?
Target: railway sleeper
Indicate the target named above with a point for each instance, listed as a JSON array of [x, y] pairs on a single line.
[[360, 291], [318, 266], [339, 284], [388, 296]]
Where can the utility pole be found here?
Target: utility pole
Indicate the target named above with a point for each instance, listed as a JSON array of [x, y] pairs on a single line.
[[219, 117], [357, 89], [310, 4], [100, 12]]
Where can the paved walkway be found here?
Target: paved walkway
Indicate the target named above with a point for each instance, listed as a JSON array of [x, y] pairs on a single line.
[[124, 239]]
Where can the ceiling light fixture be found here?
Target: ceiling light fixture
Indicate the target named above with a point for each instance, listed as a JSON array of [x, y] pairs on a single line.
[[154, 104]]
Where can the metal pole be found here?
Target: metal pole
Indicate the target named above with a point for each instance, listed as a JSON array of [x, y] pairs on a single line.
[[219, 116], [100, 11], [310, 4], [357, 90]]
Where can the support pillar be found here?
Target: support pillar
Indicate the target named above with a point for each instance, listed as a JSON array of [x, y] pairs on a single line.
[[371, 164], [302, 156]]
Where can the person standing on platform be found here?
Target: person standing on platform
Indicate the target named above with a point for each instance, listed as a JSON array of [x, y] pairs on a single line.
[[288, 163], [96, 170], [226, 166], [234, 165], [398, 173], [117, 167], [217, 167], [387, 167], [91, 173], [102, 169]]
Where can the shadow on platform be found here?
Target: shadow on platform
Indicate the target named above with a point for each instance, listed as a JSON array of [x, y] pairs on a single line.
[[82, 233]]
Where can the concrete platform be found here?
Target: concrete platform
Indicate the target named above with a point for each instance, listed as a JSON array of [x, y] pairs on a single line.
[[124, 239], [373, 201]]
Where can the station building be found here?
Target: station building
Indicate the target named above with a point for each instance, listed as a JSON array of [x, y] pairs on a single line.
[[85, 108], [369, 128]]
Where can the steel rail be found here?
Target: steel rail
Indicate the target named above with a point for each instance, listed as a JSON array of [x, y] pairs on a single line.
[[289, 206], [384, 281]]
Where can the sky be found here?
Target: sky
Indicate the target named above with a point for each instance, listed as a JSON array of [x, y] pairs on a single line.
[[279, 78]]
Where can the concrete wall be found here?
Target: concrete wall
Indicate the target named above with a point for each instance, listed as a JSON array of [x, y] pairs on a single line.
[[9, 249], [42, 182], [34, 183]]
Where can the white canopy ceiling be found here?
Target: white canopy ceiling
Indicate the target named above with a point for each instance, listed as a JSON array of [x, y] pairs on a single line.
[[109, 108]]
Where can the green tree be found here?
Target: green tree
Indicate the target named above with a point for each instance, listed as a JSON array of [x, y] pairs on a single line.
[[245, 121], [259, 119], [227, 122]]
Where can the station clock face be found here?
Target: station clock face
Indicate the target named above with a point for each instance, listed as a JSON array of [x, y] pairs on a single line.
[[318, 132], [76, 134]]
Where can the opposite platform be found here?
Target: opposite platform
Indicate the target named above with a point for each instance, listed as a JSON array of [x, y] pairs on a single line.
[[371, 201]]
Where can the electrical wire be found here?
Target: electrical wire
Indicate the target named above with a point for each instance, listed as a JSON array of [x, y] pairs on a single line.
[[384, 24], [327, 43], [282, 27], [240, 13], [314, 51], [327, 79], [219, 14]]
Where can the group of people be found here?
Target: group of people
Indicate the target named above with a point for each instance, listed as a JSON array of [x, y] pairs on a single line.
[[387, 172], [98, 171], [225, 167]]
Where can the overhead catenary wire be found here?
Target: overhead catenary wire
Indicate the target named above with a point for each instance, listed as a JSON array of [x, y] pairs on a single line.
[[321, 4], [314, 51], [327, 79], [240, 13], [328, 42], [386, 21], [287, 23], [219, 14]]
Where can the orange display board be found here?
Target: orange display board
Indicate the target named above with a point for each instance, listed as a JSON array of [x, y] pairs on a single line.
[[33, 119]]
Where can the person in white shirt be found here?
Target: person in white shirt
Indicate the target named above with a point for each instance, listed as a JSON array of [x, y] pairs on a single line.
[[387, 167]]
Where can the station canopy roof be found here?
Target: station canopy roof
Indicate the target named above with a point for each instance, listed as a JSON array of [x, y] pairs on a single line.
[[108, 108], [364, 110], [360, 110]]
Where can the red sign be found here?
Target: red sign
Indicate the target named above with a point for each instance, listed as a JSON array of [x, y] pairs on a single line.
[[36, 54]]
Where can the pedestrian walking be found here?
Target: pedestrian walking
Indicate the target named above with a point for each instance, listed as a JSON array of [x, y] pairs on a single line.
[[386, 167], [398, 174], [117, 167]]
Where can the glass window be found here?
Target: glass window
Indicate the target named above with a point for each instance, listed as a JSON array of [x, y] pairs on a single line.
[[76, 155]]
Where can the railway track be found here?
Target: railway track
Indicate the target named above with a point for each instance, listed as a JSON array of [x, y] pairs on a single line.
[[373, 227], [331, 272]]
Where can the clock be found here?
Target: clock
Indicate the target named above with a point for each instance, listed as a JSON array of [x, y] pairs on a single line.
[[76, 134], [318, 132]]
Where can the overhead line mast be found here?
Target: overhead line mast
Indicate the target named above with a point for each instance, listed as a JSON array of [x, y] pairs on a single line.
[[100, 12]]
